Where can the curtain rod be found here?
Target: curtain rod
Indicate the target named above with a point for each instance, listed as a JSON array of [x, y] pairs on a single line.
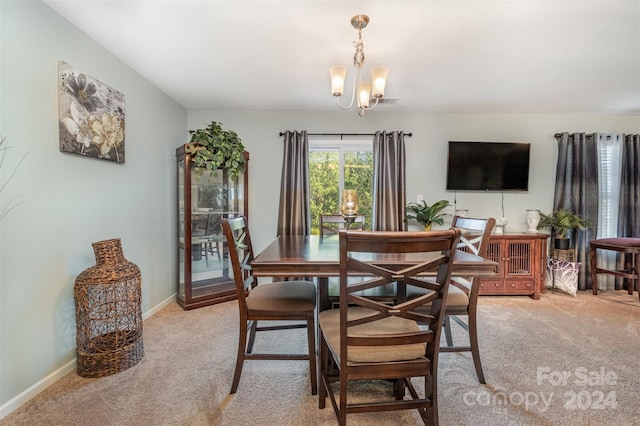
[[345, 134]]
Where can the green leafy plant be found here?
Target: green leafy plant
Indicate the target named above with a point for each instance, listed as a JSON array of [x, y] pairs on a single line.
[[563, 222], [428, 214], [216, 148]]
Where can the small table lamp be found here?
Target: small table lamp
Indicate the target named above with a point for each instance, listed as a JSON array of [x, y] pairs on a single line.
[[349, 205]]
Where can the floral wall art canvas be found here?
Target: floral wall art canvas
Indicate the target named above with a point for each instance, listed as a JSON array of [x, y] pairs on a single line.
[[91, 116]]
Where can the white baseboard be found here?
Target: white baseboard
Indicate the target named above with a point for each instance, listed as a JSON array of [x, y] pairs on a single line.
[[16, 402], [21, 399], [169, 300]]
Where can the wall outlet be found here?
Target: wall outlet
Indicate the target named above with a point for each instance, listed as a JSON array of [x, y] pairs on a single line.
[[420, 198]]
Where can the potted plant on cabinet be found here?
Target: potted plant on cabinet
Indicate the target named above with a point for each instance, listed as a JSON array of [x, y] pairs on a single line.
[[216, 148], [562, 223], [427, 214]]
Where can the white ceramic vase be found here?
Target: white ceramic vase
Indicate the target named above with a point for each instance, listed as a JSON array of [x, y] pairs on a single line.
[[501, 222], [533, 218]]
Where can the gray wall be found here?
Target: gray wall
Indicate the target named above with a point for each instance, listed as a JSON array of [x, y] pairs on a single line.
[[69, 201], [426, 153]]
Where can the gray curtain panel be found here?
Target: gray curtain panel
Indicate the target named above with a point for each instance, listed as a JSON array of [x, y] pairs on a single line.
[[576, 189], [389, 182], [294, 217], [629, 210]]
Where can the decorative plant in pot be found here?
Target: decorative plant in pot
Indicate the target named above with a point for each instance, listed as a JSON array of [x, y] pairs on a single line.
[[563, 222], [428, 214], [215, 148]]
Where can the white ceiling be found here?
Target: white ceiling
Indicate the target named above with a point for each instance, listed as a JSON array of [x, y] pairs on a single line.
[[528, 56]]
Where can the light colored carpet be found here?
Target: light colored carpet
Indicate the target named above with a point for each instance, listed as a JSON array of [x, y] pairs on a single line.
[[556, 361]]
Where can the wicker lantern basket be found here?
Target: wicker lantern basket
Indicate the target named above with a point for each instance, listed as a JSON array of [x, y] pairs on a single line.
[[108, 313]]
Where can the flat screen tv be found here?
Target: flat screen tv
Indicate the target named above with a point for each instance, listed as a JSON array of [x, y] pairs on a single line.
[[488, 166]]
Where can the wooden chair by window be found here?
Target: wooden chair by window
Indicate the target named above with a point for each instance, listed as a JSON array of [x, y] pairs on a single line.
[[368, 340], [331, 223], [287, 301], [462, 299]]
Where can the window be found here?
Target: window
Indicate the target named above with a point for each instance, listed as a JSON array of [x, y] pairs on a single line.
[[335, 165], [609, 149], [609, 169]]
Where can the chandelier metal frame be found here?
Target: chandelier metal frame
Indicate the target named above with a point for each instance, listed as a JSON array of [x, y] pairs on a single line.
[[363, 91]]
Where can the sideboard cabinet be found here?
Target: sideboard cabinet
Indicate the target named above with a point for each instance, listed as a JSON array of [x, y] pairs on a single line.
[[204, 198], [521, 265]]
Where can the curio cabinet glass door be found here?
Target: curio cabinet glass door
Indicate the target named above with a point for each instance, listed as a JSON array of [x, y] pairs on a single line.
[[204, 198]]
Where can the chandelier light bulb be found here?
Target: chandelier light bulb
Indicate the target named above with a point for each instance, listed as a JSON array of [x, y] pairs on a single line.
[[338, 75], [379, 78], [364, 93]]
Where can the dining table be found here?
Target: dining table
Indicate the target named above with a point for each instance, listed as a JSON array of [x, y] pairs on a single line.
[[319, 257]]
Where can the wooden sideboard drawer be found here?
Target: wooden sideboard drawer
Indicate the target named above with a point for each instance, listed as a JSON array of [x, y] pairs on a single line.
[[520, 285], [488, 286]]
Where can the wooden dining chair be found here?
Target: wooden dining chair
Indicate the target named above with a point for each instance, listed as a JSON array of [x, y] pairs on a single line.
[[330, 224], [288, 301], [365, 339], [462, 300], [463, 291]]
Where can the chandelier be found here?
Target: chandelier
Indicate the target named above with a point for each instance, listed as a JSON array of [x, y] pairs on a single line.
[[363, 91]]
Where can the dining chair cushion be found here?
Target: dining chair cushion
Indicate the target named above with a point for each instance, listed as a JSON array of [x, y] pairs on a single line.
[[292, 296], [330, 325], [455, 296]]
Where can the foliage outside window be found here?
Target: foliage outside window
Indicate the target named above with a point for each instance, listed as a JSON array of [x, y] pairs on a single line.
[[338, 165]]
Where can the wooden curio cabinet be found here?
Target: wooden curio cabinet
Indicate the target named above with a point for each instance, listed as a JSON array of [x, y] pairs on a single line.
[[204, 198], [521, 265]]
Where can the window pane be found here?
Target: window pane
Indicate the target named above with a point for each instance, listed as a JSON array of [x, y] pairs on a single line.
[[324, 178], [358, 174], [609, 158], [336, 166]]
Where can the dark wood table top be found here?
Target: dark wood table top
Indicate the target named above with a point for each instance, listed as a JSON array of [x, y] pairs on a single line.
[[310, 255]]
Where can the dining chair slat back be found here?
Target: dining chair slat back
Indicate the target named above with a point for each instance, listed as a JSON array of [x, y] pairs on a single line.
[[366, 339], [463, 292]]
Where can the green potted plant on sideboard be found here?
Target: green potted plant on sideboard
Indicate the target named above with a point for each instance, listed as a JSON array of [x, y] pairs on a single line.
[[426, 214], [562, 223]]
